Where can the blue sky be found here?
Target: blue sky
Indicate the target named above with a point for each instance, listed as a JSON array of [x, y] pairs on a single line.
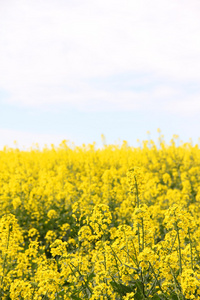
[[77, 69]]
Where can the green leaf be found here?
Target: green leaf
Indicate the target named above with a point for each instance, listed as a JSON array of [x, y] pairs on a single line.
[[121, 288], [76, 297], [90, 277]]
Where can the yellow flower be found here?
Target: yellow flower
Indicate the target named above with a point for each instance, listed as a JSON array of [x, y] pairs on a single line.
[[52, 214]]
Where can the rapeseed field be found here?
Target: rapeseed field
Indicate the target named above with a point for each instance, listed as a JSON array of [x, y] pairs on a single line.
[[111, 223]]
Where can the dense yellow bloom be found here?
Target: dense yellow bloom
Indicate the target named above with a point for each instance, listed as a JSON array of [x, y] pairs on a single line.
[[112, 223], [21, 289], [52, 214]]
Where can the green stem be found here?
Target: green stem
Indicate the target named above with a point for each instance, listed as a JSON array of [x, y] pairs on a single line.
[[179, 248], [138, 204], [177, 286], [191, 256], [142, 234], [86, 284], [5, 256], [157, 280], [138, 226], [137, 193], [127, 250]]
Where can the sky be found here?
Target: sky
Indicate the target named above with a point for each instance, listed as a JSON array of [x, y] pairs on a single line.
[[76, 69]]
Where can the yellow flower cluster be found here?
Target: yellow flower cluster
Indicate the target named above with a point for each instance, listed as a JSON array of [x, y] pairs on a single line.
[[115, 223]]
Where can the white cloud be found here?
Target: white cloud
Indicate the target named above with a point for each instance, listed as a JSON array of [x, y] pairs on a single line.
[[51, 50], [187, 107]]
